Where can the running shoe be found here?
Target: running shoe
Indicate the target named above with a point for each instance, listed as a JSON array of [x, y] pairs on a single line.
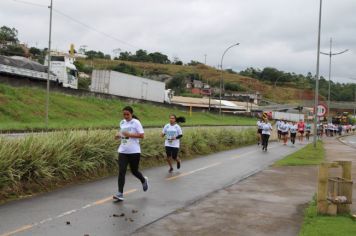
[[178, 164], [145, 184], [118, 196], [170, 170]]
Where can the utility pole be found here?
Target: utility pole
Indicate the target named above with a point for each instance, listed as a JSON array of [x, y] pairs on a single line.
[[49, 61], [205, 59], [317, 79], [330, 54]]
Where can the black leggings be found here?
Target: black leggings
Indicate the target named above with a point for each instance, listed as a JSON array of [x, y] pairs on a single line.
[[265, 138], [128, 159]]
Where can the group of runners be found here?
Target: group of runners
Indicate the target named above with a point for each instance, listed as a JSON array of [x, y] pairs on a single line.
[[285, 129], [130, 132], [330, 129]]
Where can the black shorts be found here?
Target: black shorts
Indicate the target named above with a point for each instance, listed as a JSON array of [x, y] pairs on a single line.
[[259, 131], [172, 152], [284, 133], [279, 132], [293, 135]]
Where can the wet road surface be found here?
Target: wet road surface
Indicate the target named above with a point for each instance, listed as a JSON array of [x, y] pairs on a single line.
[[88, 209]]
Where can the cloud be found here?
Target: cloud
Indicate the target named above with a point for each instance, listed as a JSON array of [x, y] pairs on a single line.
[[276, 33]]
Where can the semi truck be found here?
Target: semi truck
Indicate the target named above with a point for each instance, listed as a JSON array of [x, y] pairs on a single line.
[[130, 86], [63, 70]]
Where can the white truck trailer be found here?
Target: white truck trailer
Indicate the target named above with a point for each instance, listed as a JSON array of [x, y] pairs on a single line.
[[125, 85], [287, 116]]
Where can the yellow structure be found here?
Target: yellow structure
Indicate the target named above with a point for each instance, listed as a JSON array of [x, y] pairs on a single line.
[[334, 193]]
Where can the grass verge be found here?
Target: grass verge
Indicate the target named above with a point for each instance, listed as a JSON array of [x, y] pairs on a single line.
[[24, 109], [40, 163], [315, 224], [305, 156]]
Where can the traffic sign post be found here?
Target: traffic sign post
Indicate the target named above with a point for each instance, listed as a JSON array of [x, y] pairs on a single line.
[[322, 109]]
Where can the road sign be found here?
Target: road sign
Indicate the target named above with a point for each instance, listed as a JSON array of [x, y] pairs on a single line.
[[321, 110]]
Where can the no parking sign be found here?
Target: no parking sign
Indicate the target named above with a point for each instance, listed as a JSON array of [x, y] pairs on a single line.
[[321, 110]]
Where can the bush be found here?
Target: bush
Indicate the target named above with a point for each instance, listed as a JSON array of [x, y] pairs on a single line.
[[39, 162]]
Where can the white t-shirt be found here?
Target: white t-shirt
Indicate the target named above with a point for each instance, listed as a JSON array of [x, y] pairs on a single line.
[[260, 124], [279, 124], [172, 131], [130, 145], [284, 127], [266, 129], [293, 128]]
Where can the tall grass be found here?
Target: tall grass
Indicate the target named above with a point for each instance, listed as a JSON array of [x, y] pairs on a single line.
[[41, 162]]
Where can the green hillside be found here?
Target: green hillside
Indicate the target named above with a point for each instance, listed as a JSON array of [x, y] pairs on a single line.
[[24, 109]]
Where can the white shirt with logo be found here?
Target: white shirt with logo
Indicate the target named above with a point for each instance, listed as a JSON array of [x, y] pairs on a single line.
[[130, 145], [170, 132], [266, 129]]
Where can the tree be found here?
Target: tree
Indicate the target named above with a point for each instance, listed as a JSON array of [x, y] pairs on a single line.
[[12, 50], [95, 54], [194, 63], [177, 83], [35, 51], [160, 58], [8, 35]]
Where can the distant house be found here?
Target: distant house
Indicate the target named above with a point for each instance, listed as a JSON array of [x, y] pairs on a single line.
[[197, 84]]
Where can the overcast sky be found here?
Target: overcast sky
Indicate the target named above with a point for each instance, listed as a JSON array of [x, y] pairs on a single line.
[[274, 33]]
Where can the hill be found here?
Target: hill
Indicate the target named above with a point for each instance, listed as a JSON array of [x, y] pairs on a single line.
[[24, 109], [280, 94]]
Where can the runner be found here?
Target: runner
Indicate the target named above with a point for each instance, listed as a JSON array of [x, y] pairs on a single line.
[[301, 127], [260, 124], [131, 131], [284, 129], [266, 132], [308, 131], [293, 131], [279, 131], [173, 133]]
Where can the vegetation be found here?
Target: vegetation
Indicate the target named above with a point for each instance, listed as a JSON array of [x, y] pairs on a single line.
[[24, 109], [42, 162], [339, 91], [315, 224], [305, 156]]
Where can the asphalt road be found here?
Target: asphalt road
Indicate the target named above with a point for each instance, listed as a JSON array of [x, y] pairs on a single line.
[[88, 209], [349, 140]]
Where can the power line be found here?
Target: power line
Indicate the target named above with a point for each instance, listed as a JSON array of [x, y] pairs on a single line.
[[78, 22], [92, 28]]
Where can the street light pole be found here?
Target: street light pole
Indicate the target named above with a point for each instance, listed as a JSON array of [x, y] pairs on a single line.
[[49, 62], [317, 79], [330, 54], [221, 67]]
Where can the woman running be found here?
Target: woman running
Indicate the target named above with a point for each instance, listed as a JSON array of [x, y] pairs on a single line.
[[173, 134], [293, 131], [266, 132], [308, 131], [301, 128], [260, 124], [130, 133], [284, 129]]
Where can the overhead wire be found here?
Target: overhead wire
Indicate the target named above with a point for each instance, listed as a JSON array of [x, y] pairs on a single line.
[[78, 22]]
